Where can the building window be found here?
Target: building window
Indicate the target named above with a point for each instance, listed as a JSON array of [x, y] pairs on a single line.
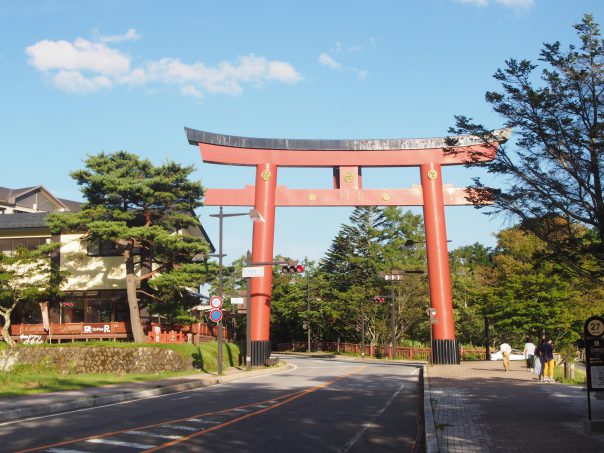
[[103, 247], [10, 246]]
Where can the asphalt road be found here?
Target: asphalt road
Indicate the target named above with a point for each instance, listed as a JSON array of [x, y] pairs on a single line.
[[321, 405]]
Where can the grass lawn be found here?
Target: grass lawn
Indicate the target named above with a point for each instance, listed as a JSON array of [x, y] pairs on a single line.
[[27, 379]]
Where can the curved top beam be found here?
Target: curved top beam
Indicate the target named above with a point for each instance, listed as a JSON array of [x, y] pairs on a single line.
[[197, 137], [233, 150]]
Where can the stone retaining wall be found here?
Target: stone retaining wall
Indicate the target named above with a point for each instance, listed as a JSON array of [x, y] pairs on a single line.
[[70, 360]]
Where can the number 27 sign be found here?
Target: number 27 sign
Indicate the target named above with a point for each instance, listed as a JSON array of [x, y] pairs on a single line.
[[594, 326]]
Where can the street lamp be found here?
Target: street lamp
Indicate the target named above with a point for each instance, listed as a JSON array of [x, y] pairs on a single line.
[[395, 275], [255, 216]]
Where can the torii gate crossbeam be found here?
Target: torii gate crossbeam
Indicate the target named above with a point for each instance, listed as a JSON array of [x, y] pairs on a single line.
[[346, 157]]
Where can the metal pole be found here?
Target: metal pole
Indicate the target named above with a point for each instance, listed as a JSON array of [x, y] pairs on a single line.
[[487, 342], [362, 331], [220, 335], [248, 323], [393, 350], [430, 324], [308, 312]]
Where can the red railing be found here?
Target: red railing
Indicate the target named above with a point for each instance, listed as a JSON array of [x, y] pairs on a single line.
[[402, 352], [83, 329], [166, 337], [36, 333]]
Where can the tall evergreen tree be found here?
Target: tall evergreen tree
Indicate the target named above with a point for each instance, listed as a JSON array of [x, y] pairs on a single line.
[[555, 168], [373, 242], [145, 210]]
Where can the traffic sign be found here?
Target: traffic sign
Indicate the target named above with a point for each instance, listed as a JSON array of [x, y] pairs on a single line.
[[594, 326], [252, 271], [216, 301], [216, 315], [237, 300]]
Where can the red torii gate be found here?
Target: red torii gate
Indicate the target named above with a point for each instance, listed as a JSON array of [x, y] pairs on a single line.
[[346, 157]]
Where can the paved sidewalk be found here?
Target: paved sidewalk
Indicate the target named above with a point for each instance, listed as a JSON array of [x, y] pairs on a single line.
[[51, 403], [478, 407]]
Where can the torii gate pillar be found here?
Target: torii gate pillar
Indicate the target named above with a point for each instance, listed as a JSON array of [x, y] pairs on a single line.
[[347, 157], [262, 252], [444, 345]]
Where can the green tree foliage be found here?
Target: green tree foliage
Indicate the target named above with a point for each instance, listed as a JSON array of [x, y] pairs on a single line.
[[350, 275], [147, 211], [556, 165], [469, 264], [26, 276], [525, 295]]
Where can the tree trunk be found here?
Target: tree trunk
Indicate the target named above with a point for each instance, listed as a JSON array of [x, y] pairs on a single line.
[[135, 319], [6, 328]]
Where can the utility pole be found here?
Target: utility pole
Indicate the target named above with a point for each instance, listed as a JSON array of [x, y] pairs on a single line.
[[248, 322], [308, 349], [362, 331], [393, 350], [253, 214]]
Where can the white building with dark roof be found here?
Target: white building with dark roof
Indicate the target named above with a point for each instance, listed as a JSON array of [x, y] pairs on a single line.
[[94, 290]]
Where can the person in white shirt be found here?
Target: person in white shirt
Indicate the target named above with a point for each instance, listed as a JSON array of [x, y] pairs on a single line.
[[506, 349], [529, 354]]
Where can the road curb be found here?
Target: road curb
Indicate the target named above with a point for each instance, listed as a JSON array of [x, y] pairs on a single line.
[[429, 425], [94, 401]]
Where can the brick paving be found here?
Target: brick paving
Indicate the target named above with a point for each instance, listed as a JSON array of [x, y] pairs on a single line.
[[478, 407]]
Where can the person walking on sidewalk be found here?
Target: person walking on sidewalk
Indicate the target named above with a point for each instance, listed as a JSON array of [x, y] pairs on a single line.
[[506, 350], [548, 357], [529, 354], [538, 362]]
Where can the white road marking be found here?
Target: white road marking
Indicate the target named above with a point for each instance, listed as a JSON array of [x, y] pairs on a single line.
[[332, 367], [206, 421], [239, 409], [150, 434], [261, 406], [64, 450], [120, 443], [181, 398], [181, 427], [370, 423]]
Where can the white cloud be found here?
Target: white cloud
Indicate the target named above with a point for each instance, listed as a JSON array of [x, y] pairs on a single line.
[[190, 90], [130, 35], [75, 82], [80, 55], [283, 72], [84, 66], [518, 4], [327, 61], [474, 2]]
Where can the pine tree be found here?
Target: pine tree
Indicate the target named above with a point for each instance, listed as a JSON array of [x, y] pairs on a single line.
[[146, 211], [555, 166]]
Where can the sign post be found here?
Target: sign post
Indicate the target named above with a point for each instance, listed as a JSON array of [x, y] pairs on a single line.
[[216, 316], [594, 360]]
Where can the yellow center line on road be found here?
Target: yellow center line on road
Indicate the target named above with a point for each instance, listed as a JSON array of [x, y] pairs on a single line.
[[293, 397], [273, 403]]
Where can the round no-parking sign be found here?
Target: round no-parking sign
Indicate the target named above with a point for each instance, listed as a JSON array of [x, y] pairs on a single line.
[[216, 315]]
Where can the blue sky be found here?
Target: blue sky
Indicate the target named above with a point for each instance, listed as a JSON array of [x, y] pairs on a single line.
[[80, 77]]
